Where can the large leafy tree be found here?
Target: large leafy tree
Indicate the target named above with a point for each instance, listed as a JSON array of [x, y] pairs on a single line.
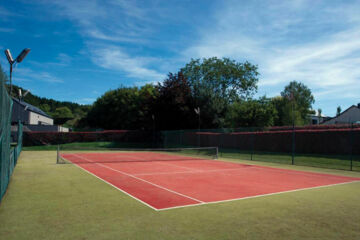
[[251, 113], [62, 114], [174, 107], [297, 97], [216, 83], [123, 108]]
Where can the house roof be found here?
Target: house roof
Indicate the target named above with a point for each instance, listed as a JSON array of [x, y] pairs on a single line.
[[353, 106], [31, 107]]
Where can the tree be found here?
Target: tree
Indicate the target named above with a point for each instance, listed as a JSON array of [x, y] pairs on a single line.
[[46, 108], [174, 107], [216, 83], [123, 108], [284, 112], [338, 111], [319, 114], [251, 113], [62, 114], [302, 99]]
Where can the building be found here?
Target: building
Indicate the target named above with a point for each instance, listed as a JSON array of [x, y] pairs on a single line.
[[315, 119], [350, 115], [29, 114], [33, 118]]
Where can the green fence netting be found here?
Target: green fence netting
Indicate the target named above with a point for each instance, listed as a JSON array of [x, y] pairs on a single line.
[[335, 146], [8, 153]]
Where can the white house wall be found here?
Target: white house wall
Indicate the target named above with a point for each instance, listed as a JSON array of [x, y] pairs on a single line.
[[35, 118]]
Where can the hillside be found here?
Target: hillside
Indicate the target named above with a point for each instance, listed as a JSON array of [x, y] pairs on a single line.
[[55, 108]]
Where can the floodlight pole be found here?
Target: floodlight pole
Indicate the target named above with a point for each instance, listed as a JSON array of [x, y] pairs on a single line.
[[197, 111], [12, 61], [11, 69]]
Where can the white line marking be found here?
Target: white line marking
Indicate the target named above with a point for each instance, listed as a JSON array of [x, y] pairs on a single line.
[[256, 196], [117, 188], [221, 201], [174, 165], [194, 171], [140, 179]]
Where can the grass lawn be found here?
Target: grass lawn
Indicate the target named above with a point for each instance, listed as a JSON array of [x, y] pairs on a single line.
[[50, 201]]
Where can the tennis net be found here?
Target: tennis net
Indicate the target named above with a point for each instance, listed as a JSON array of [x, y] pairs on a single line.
[[83, 155]]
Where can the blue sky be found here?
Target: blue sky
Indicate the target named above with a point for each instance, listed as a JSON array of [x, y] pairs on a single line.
[[80, 49]]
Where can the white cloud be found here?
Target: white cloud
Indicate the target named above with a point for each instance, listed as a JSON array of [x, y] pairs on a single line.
[[289, 41], [115, 58], [27, 74]]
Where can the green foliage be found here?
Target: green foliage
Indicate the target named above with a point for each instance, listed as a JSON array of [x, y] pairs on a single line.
[[46, 108], [63, 112], [251, 113], [302, 97], [174, 107], [286, 111], [49, 106], [216, 83], [338, 111], [123, 108]]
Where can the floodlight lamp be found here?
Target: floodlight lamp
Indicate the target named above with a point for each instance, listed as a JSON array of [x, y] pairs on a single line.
[[22, 55], [197, 110], [26, 93], [8, 56]]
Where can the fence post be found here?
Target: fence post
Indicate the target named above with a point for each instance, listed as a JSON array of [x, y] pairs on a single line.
[[351, 146], [252, 145], [293, 147]]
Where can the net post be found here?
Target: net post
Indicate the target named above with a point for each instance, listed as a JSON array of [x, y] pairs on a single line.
[[217, 153], [58, 154]]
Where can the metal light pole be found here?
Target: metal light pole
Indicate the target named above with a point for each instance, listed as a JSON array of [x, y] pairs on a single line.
[[13, 62], [197, 111], [21, 97]]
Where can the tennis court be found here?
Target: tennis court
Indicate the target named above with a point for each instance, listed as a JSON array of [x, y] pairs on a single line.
[[171, 179]]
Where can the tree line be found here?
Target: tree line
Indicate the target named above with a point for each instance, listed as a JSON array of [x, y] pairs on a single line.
[[205, 93]]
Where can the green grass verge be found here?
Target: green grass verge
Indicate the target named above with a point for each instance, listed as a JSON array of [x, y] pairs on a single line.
[[49, 201], [341, 162], [88, 145]]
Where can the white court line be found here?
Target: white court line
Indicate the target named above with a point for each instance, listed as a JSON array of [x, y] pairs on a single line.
[[117, 187], [213, 202], [193, 171], [256, 196], [140, 179]]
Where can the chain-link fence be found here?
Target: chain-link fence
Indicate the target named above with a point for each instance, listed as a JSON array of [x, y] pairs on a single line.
[[336, 146], [9, 153], [331, 146]]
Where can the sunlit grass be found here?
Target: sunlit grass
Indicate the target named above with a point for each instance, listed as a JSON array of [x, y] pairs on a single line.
[[50, 201]]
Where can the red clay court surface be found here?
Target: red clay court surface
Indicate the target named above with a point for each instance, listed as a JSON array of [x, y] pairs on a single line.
[[177, 183]]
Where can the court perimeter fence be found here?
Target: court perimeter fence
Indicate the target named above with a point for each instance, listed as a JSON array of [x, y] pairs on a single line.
[[9, 152], [328, 146]]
